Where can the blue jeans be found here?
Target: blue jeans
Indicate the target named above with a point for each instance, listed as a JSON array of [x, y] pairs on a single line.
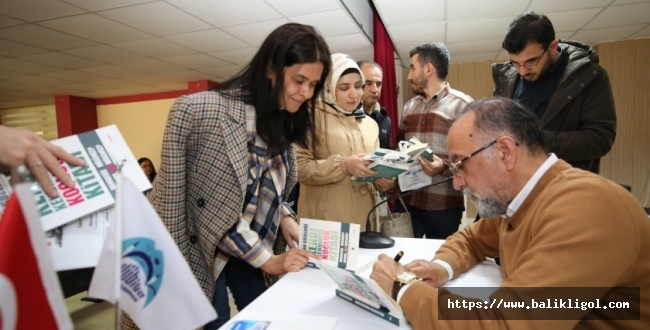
[[433, 224], [246, 284]]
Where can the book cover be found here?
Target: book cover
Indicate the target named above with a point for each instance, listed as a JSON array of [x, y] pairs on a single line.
[[103, 150], [337, 243], [364, 293], [384, 169]]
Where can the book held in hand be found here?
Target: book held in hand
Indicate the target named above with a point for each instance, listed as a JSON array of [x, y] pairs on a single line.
[[103, 150], [337, 243]]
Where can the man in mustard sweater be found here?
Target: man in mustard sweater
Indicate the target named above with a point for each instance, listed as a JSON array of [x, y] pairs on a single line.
[[582, 238]]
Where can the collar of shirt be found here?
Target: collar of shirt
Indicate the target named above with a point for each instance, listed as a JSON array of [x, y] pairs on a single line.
[[437, 96], [521, 196]]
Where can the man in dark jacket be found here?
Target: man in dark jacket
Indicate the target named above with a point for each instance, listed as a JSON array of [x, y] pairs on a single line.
[[370, 100], [562, 82]]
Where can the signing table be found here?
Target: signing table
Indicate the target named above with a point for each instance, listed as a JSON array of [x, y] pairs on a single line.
[[311, 291]]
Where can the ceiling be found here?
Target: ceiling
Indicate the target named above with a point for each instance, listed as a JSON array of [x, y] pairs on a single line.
[[107, 48]]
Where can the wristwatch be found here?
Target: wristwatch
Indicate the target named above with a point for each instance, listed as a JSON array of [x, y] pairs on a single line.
[[402, 280]]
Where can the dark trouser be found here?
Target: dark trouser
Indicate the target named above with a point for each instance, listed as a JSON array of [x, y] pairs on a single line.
[[433, 224], [246, 284]]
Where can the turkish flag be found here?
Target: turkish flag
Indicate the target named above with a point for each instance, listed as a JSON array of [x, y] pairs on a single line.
[[30, 294]]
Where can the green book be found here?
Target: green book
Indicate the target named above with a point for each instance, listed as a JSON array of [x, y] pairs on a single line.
[[384, 169]]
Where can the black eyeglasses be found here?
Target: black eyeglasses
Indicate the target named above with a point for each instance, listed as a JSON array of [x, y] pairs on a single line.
[[528, 64], [455, 167]]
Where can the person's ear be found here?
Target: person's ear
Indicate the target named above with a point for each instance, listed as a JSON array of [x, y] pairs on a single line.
[[507, 146], [552, 47]]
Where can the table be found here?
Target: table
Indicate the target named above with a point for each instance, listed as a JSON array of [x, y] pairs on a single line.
[[311, 291]]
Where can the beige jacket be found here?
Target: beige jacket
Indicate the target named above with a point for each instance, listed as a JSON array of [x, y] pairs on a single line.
[[326, 190]]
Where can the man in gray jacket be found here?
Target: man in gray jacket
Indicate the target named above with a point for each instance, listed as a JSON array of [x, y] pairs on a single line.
[[563, 84]]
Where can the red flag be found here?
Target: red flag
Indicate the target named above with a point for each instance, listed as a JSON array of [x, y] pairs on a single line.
[[30, 294]]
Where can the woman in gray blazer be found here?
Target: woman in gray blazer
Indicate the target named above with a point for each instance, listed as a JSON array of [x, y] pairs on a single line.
[[228, 164]]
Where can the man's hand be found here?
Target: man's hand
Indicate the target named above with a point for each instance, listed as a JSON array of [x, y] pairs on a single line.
[[20, 147], [385, 271], [434, 167], [430, 272], [384, 184], [291, 261], [290, 231]]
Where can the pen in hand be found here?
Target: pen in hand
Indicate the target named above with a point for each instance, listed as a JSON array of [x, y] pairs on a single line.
[[398, 256]]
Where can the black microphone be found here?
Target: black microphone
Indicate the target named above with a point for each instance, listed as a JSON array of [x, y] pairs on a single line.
[[377, 240]]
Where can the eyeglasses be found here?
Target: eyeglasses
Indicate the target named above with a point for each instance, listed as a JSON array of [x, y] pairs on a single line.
[[455, 167], [528, 64]]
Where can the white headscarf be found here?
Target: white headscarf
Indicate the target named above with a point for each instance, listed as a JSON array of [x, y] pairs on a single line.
[[340, 63]]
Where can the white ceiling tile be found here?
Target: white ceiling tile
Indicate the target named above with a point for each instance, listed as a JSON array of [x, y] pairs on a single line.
[[95, 27], [157, 18], [80, 87], [227, 12], [459, 31], [470, 47], [153, 47], [607, 34], [39, 80], [349, 43], [8, 21], [17, 65], [404, 50], [644, 33], [236, 56], [4, 74], [410, 11], [146, 78], [42, 37], [109, 71], [547, 6], [93, 5], [195, 61], [466, 9], [330, 23], [61, 60], [623, 2], [31, 10], [254, 33], [150, 66], [419, 33], [571, 20], [611, 16], [301, 7], [212, 40], [74, 75], [10, 48], [105, 53]]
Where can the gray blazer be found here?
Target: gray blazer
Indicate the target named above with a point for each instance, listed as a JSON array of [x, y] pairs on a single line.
[[200, 188]]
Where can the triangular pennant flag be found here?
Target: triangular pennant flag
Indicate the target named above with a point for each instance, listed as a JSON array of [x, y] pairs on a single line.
[[157, 287], [30, 293]]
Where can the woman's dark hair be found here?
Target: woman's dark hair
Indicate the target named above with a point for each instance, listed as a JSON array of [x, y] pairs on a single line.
[[526, 28], [287, 45], [153, 168]]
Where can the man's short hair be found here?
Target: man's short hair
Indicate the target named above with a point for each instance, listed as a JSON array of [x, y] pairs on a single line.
[[526, 28], [502, 116], [435, 53]]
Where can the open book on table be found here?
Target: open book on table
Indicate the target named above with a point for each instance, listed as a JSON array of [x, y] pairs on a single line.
[[364, 293]]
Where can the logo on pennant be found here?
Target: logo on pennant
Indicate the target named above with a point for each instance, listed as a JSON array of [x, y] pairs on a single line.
[[142, 270]]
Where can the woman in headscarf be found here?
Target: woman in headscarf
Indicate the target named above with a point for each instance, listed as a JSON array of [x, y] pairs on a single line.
[[345, 135]]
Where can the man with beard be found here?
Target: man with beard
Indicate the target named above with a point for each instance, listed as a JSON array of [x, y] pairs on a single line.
[[563, 84], [564, 235], [435, 211]]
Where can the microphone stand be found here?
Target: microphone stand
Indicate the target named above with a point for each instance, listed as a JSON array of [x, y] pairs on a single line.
[[377, 240]]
